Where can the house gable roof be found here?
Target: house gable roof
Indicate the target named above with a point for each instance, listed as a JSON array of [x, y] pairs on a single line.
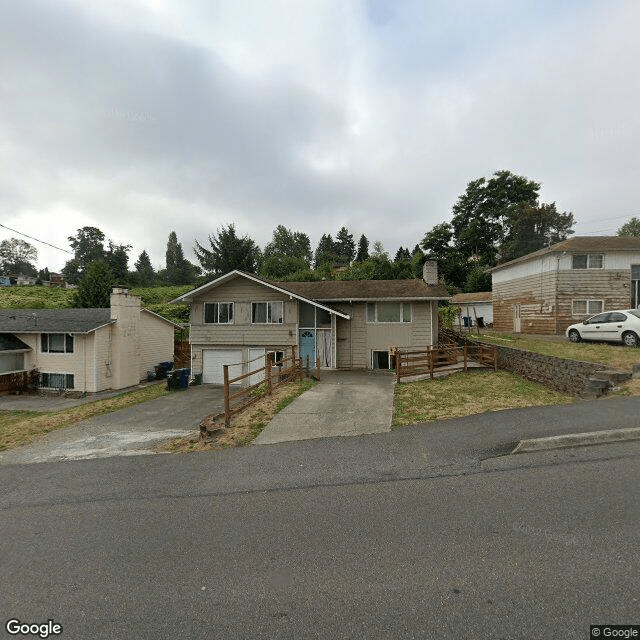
[[581, 244], [53, 320], [336, 291]]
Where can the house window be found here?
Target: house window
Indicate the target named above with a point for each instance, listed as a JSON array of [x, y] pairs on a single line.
[[382, 360], [11, 362], [588, 261], [587, 307], [388, 312], [277, 357], [57, 380], [56, 343], [218, 312], [267, 312]]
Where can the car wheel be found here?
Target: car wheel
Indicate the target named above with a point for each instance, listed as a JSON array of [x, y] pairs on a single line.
[[574, 336], [630, 339]]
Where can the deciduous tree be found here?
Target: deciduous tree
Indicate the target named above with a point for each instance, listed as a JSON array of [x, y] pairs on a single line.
[[17, 257]]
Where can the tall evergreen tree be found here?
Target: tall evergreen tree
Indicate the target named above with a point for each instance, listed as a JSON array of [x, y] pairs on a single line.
[[363, 249], [228, 252], [345, 247], [178, 269], [145, 275], [402, 254], [94, 288], [325, 251]]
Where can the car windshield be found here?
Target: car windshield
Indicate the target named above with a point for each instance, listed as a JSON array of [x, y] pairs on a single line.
[[635, 312]]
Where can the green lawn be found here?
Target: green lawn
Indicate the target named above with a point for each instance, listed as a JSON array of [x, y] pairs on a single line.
[[464, 394]]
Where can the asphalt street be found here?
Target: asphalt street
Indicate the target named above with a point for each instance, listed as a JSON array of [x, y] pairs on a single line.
[[424, 532]]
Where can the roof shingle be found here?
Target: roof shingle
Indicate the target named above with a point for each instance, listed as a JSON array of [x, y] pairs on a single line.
[[53, 320]]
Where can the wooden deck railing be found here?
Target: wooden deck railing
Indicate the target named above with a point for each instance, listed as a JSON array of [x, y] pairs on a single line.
[[449, 355]]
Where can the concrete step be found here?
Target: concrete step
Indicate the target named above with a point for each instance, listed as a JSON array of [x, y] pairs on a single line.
[[614, 376]]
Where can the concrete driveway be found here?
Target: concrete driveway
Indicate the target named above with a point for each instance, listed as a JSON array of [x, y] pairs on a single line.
[[132, 431], [343, 403]]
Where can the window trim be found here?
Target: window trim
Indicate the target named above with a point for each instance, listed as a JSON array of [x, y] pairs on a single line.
[[204, 312], [588, 265], [66, 336], [402, 321], [269, 313], [587, 302]]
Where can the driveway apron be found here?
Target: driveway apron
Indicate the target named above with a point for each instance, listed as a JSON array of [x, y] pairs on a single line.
[[132, 431], [343, 403]]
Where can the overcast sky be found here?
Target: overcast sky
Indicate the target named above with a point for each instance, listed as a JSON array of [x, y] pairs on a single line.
[[141, 117]]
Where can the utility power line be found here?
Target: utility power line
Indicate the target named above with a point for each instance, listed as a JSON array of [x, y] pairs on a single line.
[[36, 239]]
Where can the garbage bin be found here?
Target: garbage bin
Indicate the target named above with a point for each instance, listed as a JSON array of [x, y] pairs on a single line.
[[197, 378], [173, 379], [184, 378], [480, 320], [465, 319], [161, 374]]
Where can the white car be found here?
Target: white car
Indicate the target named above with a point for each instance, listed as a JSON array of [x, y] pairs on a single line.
[[610, 326]]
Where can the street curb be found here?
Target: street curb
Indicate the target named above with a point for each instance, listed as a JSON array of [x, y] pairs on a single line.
[[577, 440]]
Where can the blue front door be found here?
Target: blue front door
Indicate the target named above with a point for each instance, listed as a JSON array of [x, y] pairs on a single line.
[[308, 345]]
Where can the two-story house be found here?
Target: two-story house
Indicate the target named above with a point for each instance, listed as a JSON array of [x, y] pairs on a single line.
[[238, 317], [547, 290]]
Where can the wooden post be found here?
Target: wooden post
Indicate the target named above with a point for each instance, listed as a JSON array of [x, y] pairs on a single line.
[[307, 367], [227, 405], [318, 368], [464, 353], [397, 358], [431, 363], [267, 373], [495, 358]]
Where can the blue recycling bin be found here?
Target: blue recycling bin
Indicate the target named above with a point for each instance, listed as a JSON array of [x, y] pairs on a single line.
[[184, 378], [465, 319]]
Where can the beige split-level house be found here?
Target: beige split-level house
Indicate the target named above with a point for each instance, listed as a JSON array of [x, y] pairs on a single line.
[[238, 317], [85, 350]]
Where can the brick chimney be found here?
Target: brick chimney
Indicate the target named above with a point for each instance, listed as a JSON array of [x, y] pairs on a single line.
[[430, 272]]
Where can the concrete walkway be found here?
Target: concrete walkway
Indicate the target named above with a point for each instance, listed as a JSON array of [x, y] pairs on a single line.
[[344, 403]]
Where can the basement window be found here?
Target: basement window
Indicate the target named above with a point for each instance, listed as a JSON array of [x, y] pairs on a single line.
[[381, 360], [57, 380]]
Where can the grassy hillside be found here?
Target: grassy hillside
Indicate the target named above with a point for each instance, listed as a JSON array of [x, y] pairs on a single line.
[[155, 299]]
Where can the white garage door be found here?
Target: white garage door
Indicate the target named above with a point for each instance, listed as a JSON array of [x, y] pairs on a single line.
[[213, 361], [256, 361]]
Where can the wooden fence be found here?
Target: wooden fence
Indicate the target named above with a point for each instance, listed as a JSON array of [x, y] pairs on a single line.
[[272, 375], [450, 355]]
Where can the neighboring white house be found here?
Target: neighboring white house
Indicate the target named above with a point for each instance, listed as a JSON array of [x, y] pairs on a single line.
[[86, 350], [546, 291], [477, 308]]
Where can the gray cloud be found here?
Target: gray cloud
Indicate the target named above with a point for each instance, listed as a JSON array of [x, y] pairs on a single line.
[[143, 120]]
